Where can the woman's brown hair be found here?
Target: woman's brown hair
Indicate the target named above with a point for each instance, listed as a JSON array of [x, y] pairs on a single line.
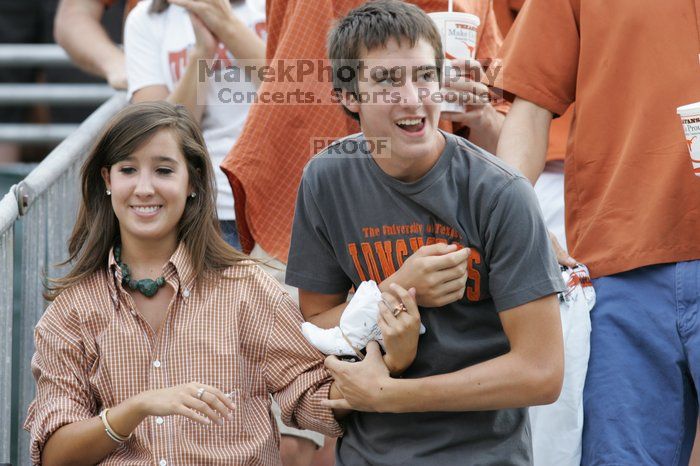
[[97, 228]]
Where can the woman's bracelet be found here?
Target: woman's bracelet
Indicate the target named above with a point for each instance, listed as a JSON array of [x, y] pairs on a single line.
[[110, 432]]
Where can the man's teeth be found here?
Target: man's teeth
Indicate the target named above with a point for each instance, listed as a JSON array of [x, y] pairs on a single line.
[[407, 122], [146, 210]]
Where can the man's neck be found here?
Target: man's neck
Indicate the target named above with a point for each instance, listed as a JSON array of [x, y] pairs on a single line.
[[409, 170]]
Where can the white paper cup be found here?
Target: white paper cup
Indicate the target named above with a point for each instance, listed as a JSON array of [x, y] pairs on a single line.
[[690, 118], [458, 32]]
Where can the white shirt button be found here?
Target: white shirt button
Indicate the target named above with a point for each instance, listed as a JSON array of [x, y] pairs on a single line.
[[156, 363], [186, 293], [163, 463], [159, 420], [133, 312]]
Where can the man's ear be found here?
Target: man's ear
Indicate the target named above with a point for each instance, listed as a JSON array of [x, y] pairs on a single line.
[[349, 101], [105, 176]]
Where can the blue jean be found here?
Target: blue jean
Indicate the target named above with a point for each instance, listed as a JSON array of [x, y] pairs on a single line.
[[640, 399], [230, 233]]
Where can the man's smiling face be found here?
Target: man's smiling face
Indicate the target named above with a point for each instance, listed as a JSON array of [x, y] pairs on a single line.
[[397, 102]]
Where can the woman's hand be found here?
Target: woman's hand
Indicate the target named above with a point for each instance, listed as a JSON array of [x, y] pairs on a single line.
[[198, 402], [215, 14], [399, 321], [205, 42]]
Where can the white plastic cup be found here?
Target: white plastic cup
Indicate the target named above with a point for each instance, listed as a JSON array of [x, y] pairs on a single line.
[[458, 32], [690, 118]]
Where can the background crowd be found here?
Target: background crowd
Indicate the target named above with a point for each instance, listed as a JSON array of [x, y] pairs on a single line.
[[576, 107]]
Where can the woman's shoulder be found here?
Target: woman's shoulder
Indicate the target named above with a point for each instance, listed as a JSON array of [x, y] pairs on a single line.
[[249, 275], [74, 305]]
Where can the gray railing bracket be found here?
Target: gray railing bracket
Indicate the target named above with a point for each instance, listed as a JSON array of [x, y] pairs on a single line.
[[24, 195]]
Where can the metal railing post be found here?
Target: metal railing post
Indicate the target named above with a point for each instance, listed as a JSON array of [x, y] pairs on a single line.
[[46, 203], [8, 215]]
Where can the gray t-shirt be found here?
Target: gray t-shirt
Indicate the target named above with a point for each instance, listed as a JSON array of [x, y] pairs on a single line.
[[353, 222]]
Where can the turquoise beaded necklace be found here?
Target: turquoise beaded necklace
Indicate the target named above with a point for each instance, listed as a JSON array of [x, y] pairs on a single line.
[[147, 286]]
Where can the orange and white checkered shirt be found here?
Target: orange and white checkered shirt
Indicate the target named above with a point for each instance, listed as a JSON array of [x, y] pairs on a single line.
[[239, 332], [265, 165]]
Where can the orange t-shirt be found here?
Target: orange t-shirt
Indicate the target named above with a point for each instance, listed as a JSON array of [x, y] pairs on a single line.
[[506, 12], [632, 198], [265, 165]]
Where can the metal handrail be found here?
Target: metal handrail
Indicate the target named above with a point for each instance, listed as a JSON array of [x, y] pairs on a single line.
[[65, 94], [28, 133], [9, 211], [66, 154], [23, 55], [44, 55], [44, 203]]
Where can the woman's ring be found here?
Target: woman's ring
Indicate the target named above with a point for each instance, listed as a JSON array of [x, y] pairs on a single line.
[[200, 392], [399, 309]]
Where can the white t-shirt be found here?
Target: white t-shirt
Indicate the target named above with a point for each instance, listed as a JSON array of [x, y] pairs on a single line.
[[156, 54]]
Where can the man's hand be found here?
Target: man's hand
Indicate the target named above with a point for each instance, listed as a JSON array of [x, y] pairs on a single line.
[[563, 257], [362, 384], [115, 72], [483, 120], [400, 330], [438, 272]]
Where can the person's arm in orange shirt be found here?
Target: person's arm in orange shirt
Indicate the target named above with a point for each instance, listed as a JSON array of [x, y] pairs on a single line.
[[523, 145], [524, 137]]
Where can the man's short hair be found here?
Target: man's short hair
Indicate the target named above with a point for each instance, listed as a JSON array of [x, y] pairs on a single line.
[[370, 26]]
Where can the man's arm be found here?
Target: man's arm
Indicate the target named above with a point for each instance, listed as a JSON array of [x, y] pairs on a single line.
[[523, 145], [400, 330], [78, 30], [524, 138], [438, 272], [322, 310], [531, 373]]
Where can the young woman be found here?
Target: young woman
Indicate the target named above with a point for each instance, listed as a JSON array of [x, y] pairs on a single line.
[[163, 344], [166, 42]]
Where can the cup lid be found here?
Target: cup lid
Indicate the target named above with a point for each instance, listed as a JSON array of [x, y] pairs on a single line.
[[690, 109], [456, 15]]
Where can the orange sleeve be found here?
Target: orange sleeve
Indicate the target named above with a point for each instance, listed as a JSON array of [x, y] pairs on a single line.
[[275, 13], [488, 51], [516, 5], [60, 370], [504, 15], [540, 54]]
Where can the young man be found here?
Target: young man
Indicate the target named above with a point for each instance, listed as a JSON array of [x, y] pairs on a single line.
[[387, 214]]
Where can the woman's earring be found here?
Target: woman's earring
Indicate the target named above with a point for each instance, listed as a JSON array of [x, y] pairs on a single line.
[[109, 193], [193, 195]]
